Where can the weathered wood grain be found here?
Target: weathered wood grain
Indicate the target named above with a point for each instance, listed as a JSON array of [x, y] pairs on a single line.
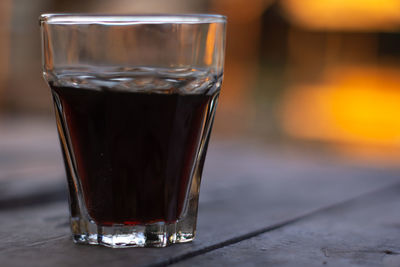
[[246, 190], [362, 232], [242, 193]]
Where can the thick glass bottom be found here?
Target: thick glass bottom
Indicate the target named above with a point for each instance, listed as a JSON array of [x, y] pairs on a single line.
[[125, 236]]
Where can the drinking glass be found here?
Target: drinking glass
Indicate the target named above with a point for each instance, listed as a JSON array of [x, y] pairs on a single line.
[[135, 98]]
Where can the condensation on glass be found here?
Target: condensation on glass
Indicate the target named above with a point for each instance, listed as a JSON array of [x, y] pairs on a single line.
[[135, 98]]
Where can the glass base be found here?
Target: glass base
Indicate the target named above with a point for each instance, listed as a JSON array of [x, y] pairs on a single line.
[[125, 236]]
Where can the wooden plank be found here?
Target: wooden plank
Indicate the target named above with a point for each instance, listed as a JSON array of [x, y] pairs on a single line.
[[362, 232], [31, 168], [245, 190], [28, 145]]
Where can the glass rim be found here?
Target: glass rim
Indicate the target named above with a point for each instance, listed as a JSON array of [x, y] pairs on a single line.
[[117, 19]]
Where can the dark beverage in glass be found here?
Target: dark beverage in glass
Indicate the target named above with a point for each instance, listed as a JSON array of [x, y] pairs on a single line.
[[134, 151]]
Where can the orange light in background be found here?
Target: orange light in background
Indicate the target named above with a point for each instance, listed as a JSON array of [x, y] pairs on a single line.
[[210, 44], [241, 62], [355, 105], [242, 10], [359, 15], [5, 13]]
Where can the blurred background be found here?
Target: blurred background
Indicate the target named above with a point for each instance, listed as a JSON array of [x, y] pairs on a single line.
[[308, 75]]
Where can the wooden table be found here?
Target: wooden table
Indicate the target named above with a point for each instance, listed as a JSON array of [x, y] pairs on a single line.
[[258, 207]]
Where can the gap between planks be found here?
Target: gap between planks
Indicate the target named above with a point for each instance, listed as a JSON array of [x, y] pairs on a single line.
[[255, 233]]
